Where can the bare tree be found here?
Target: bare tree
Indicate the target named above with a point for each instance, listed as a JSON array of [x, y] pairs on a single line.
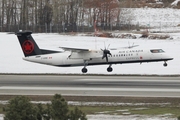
[[39, 15], [105, 12], [71, 14], [47, 14], [0, 12]]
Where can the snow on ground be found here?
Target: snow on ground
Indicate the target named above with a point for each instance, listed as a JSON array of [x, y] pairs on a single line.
[[164, 20], [11, 54], [1, 117], [128, 117], [151, 17], [123, 117], [175, 3], [77, 103]]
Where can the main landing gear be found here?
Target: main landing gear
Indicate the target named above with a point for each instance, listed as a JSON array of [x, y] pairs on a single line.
[[165, 64], [84, 70], [110, 69]]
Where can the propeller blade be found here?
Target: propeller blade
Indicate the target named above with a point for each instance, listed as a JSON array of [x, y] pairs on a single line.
[[109, 52], [103, 56], [104, 45]]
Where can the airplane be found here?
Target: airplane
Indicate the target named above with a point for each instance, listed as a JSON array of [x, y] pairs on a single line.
[[68, 57]]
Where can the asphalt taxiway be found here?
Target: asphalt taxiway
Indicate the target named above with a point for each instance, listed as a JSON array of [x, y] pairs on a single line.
[[90, 85]]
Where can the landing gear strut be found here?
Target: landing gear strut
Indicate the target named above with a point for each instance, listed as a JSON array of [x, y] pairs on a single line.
[[84, 69], [165, 64], [110, 69]]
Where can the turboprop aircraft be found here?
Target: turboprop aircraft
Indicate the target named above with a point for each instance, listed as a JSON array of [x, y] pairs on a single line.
[[85, 57]]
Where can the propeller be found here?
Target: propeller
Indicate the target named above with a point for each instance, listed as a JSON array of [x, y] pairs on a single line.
[[106, 52]]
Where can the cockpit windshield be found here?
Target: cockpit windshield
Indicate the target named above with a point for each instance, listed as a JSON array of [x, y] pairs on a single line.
[[157, 51]]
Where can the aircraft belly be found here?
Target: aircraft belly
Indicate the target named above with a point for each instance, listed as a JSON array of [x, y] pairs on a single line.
[[72, 62]]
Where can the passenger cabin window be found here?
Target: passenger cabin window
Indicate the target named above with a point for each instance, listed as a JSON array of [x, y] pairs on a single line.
[[157, 51]]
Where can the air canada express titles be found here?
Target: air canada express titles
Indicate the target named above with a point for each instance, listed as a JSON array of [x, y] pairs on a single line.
[[131, 51]]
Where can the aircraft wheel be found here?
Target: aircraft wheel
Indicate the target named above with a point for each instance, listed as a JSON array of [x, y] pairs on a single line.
[[109, 69], [84, 70], [165, 64]]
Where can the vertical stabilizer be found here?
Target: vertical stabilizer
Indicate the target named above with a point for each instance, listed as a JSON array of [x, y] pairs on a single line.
[[28, 45]]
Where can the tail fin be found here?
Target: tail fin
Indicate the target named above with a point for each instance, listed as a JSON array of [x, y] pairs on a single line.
[[28, 45]]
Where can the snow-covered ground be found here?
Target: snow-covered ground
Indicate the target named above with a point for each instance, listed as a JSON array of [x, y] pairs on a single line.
[[175, 2], [161, 19], [11, 54], [123, 117], [129, 117]]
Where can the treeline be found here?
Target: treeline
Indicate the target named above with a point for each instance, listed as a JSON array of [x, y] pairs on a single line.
[[58, 15]]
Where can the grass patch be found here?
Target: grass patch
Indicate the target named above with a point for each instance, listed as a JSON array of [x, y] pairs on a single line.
[[1, 108], [175, 111], [99, 109], [133, 110]]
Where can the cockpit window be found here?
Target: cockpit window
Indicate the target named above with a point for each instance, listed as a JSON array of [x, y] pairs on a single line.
[[157, 51]]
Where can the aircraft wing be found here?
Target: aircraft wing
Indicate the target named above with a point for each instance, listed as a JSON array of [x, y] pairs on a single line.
[[78, 50], [80, 53], [75, 49]]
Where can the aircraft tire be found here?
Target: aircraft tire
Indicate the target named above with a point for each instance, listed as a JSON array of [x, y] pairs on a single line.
[[84, 70], [165, 64], [109, 69]]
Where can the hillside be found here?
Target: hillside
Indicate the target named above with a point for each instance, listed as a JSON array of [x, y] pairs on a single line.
[[150, 3]]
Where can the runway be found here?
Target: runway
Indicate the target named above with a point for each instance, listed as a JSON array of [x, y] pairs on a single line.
[[90, 85]]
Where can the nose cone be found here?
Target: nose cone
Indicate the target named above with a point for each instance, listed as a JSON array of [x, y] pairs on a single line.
[[168, 57], [171, 58]]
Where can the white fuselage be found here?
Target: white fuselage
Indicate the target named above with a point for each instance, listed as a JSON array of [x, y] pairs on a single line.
[[67, 58]]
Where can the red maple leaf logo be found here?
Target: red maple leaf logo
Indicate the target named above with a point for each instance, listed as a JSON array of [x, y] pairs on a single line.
[[28, 47]]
